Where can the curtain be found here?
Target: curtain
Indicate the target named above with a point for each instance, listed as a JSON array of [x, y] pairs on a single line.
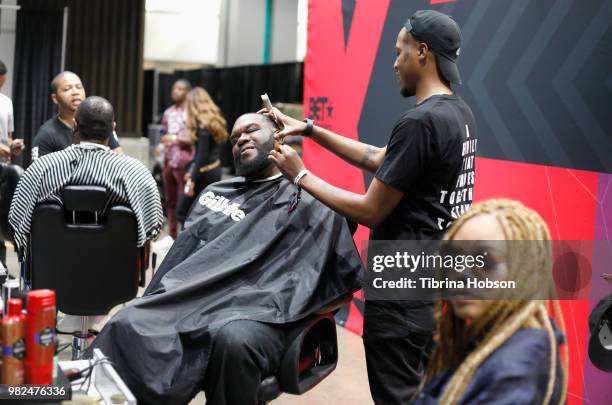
[[37, 61], [105, 48]]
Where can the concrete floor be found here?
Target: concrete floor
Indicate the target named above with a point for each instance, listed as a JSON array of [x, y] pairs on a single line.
[[348, 384]]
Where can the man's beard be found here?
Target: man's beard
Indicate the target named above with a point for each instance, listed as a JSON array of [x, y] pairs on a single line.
[[406, 92], [258, 164]]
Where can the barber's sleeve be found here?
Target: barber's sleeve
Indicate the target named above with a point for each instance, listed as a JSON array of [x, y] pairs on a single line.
[[407, 155]]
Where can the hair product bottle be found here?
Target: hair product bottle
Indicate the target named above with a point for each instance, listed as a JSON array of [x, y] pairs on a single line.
[[13, 344], [40, 336]]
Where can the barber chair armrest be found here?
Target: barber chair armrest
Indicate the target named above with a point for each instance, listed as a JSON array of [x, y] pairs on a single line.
[[143, 263], [311, 356]]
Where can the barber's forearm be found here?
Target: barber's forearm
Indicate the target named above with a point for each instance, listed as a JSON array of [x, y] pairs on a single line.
[[359, 154], [350, 205]]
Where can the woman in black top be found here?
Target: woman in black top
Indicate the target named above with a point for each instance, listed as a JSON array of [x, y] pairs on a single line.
[[208, 130]]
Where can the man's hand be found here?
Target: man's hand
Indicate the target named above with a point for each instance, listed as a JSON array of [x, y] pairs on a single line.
[[290, 126], [607, 277], [17, 147], [5, 150], [288, 161]]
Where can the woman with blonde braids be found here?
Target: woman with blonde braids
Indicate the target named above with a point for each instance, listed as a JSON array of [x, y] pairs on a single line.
[[503, 351], [207, 128]]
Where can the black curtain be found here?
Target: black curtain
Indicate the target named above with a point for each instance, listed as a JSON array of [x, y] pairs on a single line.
[[237, 89], [37, 60], [105, 48]]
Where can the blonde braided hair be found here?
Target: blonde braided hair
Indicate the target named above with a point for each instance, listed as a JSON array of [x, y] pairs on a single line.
[[469, 346]]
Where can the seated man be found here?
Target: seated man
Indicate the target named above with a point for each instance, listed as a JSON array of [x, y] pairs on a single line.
[[90, 162], [253, 259]]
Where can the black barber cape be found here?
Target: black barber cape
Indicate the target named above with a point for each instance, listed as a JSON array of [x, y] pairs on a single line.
[[242, 255]]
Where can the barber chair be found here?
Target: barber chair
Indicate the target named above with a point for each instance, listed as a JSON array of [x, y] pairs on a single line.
[[86, 254], [9, 178], [311, 356]]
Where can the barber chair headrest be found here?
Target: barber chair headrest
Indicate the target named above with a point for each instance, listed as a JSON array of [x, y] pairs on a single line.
[[84, 198]]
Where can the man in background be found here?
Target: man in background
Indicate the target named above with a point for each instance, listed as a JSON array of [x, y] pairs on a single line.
[[178, 154], [67, 92], [8, 146]]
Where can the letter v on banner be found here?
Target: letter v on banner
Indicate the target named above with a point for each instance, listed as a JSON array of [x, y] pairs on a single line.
[[336, 77]]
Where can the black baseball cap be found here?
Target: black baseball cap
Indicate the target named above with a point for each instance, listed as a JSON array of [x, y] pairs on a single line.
[[443, 36], [600, 355]]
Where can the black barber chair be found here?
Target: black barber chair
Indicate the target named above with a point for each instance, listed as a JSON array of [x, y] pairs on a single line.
[[9, 177], [89, 257], [311, 356]]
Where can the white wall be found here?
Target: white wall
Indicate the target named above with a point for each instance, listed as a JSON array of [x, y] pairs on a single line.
[[242, 32], [284, 31], [8, 22], [182, 31], [185, 33]]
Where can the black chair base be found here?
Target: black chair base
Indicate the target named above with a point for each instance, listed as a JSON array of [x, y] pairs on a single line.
[[311, 356]]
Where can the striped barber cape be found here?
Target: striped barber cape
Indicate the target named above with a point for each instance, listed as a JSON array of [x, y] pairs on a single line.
[[126, 180]]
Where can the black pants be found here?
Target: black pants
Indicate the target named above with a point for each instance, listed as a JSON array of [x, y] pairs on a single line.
[[243, 354], [397, 339]]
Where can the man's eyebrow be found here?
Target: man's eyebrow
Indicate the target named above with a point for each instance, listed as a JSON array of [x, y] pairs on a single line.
[[243, 128]]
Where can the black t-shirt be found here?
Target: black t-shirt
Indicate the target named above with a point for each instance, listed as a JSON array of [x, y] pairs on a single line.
[[54, 136], [429, 158]]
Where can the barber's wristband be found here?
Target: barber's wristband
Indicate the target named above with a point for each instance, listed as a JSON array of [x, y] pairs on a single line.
[[299, 176], [309, 125]]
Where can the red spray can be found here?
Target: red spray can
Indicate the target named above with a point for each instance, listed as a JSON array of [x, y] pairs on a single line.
[[40, 337]]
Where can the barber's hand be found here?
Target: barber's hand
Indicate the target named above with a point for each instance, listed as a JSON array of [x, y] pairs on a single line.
[[287, 160], [290, 126], [607, 277]]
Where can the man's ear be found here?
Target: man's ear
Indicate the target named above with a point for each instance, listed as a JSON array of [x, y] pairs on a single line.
[[54, 98], [114, 125], [422, 50]]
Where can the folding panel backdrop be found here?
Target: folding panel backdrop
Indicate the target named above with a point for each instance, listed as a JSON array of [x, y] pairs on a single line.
[[537, 75]]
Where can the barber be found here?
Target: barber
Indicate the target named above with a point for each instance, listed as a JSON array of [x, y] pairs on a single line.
[[416, 193]]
